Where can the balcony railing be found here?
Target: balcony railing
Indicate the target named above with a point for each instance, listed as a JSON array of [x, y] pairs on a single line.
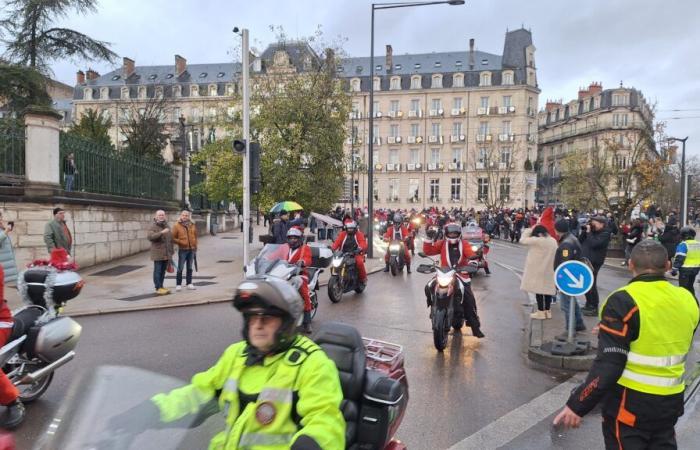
[[546, 137]]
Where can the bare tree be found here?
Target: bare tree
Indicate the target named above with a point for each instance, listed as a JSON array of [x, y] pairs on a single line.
[[496, 169]]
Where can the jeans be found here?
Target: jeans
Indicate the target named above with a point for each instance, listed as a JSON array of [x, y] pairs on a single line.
[[159, 268], [69, 182], [182, 257], [592, 298], [564, 304], [686, 278]]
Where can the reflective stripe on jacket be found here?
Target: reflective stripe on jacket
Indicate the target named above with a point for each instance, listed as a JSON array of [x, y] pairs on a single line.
[[302, 381], [668, 318]]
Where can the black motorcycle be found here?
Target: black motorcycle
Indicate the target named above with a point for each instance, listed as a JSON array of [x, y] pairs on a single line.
[[446, 295], [344, 276]]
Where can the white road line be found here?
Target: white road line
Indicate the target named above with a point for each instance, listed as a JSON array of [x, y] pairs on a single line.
[[508, 427]]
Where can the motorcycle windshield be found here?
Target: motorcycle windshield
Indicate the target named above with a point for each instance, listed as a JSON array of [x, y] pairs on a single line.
[[268, 257], [99, 400]]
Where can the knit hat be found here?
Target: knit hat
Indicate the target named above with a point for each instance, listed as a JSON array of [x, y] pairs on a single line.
[[562, 226]]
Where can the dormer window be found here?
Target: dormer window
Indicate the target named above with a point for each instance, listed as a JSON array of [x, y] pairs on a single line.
[[355, 85], [397, 67], [458, 80], [416, 82], [507, 78], [159, 91], [194, 90], [104, 93], [438, 64], [177, 91], [377, 84], [142, 91], [416, 66], [436, 81], [378, 68], [229, 89], [485, 79], [87, 94], [395, 83], [125, 93], [213, 90]]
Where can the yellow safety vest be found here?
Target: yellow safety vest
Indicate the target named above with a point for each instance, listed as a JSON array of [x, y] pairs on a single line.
[[692, 258], [267, 423], [668, 316]]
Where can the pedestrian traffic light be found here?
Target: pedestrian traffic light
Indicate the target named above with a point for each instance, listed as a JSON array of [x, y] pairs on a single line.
[[254, 167], [239, 146]]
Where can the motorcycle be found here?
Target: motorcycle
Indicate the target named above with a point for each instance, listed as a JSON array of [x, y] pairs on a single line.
[[479, 244], [373, 379], [344, 276], [446, 293], [397, 253], [42, 339], [271, 261], [436, 231]]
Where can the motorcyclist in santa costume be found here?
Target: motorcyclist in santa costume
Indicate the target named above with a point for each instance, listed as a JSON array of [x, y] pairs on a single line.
[[455, 252], [352, 240], [300, 254], [399, 233]]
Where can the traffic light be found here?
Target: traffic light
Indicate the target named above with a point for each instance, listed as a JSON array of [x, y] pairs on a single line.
[[254, 166], [239, 146]]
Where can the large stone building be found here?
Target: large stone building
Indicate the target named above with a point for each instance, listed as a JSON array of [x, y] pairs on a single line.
[[594, 119], [450, 128]]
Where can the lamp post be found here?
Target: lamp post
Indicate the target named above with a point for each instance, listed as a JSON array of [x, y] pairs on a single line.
[[183, 155], [684, 183], [370, 156]]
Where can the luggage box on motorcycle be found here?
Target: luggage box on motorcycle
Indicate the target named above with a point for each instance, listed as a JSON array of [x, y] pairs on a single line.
[[52, 340], [321, 255], [66, 285]]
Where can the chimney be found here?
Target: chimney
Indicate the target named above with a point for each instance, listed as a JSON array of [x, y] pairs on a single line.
[[389, 58], [128, 67], [471, 54], [582, 93], [180, 65], [92, 75], [80, 77], [595, 88], [552, 105]]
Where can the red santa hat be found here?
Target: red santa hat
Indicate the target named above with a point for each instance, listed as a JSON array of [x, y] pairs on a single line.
[[59, 256], [547, 221]]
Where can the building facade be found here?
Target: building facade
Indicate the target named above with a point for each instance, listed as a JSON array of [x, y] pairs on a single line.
[[450, 129], [598, 116]]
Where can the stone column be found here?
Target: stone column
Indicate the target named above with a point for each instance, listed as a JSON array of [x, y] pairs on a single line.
[[178, 182], [42, 157]]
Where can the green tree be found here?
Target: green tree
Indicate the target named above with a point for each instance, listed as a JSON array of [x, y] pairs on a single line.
[[21, 87], [144, 128], [31, 40], [223, 169], [94, 127]]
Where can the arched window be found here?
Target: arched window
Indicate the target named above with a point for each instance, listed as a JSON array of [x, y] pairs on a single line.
[[104, 93], [194, 90], [395, 83], [377, 84], [355, 85], [213, 90], [177, 91], [125, 93], [458, 80], [142, 91], [416, 82], [87, 94], [507, 78], [485, 79], [436, 81]]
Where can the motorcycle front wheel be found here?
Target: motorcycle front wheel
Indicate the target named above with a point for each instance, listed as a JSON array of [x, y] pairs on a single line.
[[29, 392], [314, 304], [440, 330], [335, 289], [394, 268]]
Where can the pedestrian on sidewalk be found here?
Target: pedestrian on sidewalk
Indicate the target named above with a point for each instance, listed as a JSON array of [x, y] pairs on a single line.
[[634, 237], [538, 274], [56, 232], [645, 333], [569, 249], [687, 259], [161, 250], [7, 254], [670, 237], [70, 170], [595, 239], [185, 236]]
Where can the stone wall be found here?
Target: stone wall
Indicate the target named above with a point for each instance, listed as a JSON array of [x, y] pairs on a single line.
[[100, 233]]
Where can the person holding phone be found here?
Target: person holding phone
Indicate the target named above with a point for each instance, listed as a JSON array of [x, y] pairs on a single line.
[[7, 253]]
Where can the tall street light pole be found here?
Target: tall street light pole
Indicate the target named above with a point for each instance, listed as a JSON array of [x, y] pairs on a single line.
[[370, 157], [684, 183]]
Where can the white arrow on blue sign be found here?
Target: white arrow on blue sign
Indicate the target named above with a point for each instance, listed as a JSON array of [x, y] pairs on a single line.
[[573, 278]]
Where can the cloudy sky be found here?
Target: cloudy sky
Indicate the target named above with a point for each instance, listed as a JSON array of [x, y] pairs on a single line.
[[643, 43]]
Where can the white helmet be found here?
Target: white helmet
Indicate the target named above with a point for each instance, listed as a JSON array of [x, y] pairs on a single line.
[[453, 233]]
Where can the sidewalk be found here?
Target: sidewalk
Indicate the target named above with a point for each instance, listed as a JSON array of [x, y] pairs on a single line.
[[127, 284]]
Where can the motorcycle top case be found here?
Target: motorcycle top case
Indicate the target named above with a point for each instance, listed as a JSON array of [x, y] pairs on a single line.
[[321, 255], [52, 340], [67, 285]]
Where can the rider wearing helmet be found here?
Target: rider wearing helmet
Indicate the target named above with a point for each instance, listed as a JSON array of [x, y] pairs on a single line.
[[396, 232], [352, 240], [687, 259], [300, 253], [456, 252], [277, 389]]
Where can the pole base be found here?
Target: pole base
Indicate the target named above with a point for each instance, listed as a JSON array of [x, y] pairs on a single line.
[[563, 348]]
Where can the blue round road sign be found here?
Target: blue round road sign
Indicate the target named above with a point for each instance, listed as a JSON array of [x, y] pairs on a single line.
[[573, 278]]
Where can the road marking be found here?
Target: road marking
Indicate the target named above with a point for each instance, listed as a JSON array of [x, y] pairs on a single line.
[[508, 427]]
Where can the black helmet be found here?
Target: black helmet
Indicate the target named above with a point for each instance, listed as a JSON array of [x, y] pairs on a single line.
[[453, 233], [270, 296], [687, 233]]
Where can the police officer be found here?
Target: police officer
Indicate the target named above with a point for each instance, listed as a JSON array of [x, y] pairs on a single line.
[[638, 371], [276, 389], [687, 259]]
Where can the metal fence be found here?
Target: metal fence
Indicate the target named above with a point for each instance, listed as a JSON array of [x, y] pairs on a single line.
[[12, 141], [102, 170], [199, 202]]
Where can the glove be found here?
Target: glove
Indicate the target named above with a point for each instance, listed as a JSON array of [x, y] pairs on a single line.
[[674, 272]]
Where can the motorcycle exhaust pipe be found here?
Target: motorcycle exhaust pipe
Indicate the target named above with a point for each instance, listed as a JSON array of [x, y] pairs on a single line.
[[32, 378]]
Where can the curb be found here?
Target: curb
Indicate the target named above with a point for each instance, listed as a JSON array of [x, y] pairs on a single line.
[[577, 363], [186, 303]]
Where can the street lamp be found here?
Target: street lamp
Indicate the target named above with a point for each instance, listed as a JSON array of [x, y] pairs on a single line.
[[684, 184], [370, 156], [183, 155]]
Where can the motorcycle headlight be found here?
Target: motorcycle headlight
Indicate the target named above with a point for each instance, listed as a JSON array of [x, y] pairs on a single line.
[[475, 248], [444, 281], [394, 247], [337, 262], [416, 220]]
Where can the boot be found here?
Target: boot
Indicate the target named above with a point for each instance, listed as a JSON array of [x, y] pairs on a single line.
[[539, 315], [547, 313], [408, 268], [306, 323], [476, 331], [386, 268], [13, 415]]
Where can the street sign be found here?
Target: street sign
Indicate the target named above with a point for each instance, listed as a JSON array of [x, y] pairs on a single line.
[[573, 278]]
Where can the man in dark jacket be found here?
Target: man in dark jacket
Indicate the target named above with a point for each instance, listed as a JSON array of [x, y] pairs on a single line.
[[595, 238], [280, 228], [671, 237], [569, 250]]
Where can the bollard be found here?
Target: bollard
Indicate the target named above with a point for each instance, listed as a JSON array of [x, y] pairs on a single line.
[[572, 319]]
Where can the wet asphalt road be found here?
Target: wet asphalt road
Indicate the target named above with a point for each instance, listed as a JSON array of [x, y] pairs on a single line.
[[452, 394]]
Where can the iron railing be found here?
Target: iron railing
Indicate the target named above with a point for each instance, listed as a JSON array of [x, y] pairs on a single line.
[[12, 141], [102, 170]]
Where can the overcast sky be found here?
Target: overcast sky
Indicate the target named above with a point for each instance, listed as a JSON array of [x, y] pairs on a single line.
[[650, 45]]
